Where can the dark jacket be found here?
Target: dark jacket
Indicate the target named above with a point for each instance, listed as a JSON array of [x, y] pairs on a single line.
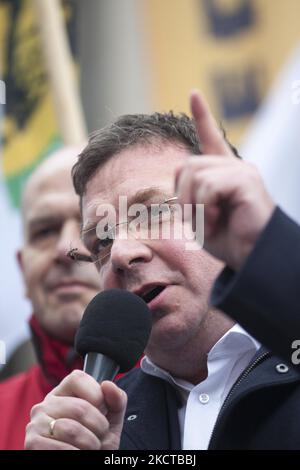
[[262, 410]]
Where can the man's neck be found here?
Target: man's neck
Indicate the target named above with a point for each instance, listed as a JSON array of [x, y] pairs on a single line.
[[190, 363]]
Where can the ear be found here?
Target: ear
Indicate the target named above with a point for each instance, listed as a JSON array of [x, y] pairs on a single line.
[[19, 258]]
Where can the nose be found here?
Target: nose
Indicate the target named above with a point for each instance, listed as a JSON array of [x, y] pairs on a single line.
[[126, 253], [69, 238]]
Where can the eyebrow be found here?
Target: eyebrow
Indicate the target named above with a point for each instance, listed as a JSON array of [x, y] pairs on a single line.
[[36, 221], [140, 197], [144, 195]]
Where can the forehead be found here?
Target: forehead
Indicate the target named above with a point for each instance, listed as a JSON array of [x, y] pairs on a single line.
[[132, 171], [50, 193]]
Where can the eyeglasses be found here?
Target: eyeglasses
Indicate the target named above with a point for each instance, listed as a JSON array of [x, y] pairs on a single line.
[[154, 222]]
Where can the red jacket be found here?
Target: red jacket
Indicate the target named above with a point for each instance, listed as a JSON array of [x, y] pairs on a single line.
[[19, 393]]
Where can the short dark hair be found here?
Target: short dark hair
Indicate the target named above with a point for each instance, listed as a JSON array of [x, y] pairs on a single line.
[[133, 130]]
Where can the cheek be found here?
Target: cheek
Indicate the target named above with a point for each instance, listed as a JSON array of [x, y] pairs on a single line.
[[176, 256], [204, 269], [198, 267], [89, 272], [35, 267]]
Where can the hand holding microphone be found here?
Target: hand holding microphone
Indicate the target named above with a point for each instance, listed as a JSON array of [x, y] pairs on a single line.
[[80, 413]]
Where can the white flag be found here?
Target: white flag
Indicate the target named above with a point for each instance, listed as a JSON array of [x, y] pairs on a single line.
[[14, 310], [273, 141]]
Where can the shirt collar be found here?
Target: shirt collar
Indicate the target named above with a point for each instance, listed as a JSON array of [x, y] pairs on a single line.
[[235, 342]]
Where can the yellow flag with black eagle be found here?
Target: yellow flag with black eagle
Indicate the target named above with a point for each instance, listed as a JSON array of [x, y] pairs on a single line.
[[232, 50], [29, 129]]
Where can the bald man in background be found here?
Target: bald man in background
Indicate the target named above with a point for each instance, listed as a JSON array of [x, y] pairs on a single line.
[[57, 288]]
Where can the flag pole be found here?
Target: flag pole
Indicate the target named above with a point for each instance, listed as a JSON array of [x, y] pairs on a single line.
[[61, 71]]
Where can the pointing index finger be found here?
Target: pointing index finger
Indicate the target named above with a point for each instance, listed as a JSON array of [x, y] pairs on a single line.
[[210, 136]]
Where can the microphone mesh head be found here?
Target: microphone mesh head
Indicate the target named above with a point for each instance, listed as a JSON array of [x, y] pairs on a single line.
[[117, 324]]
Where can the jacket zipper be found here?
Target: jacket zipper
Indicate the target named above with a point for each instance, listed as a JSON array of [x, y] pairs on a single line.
[[235, 386]]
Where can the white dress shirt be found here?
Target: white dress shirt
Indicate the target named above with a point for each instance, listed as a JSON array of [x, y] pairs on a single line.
[[202, 403]]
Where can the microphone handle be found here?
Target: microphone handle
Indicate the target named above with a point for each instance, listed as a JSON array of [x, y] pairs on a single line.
[[100, 367]]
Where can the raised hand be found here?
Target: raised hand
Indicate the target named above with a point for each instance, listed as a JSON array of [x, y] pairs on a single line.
[[237, 204]]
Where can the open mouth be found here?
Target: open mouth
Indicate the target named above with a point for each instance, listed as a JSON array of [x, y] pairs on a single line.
[[150, 295]]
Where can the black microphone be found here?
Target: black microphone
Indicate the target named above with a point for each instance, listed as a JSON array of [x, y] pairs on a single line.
[[113, 333]]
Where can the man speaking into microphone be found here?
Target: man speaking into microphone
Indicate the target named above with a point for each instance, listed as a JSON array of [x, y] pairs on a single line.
[[205, 382]]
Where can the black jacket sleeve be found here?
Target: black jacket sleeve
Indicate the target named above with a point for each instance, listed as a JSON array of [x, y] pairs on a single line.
[[263, 296]]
